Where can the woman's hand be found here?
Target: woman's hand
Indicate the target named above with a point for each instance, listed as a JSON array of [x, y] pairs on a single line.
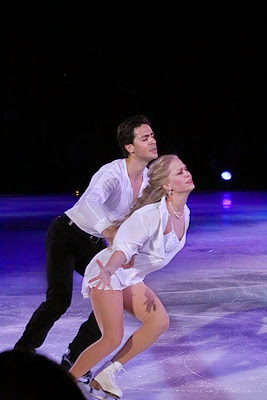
[[104, 277]]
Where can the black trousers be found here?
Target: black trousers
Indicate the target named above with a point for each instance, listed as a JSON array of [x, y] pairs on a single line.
[[68, 249]]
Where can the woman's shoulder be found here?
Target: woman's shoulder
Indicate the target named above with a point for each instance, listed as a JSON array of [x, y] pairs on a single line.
[[148, 215], [186, 209], [149, 208]]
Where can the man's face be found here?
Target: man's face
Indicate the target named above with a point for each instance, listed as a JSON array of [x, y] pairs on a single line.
[[144, 145]]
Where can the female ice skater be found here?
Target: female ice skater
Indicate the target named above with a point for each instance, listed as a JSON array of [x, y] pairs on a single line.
[[154, 232]]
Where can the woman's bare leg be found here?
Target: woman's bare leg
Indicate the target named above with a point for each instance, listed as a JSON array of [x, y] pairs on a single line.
[[108, 310], [144, 304]]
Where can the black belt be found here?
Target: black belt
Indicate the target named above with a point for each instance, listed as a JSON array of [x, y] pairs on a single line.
[[93, 239]]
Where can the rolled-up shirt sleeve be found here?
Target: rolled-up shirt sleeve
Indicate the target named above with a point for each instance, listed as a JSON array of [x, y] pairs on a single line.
[[131, 235]]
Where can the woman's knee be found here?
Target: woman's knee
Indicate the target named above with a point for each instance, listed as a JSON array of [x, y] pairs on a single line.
[[165, 322], [112, 340], [161, 322]]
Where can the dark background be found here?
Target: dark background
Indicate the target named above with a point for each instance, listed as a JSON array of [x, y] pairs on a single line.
[[71, 72]]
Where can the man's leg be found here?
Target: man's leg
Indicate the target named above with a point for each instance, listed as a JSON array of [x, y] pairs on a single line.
[[60, 267]]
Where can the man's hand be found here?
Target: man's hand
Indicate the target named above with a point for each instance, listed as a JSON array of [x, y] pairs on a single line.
[[129, 265], [109, 234]]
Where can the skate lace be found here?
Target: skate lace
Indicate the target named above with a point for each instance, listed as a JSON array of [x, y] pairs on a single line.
[[112, 373]]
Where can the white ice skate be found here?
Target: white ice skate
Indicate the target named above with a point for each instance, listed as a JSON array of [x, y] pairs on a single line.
[[105, 380]]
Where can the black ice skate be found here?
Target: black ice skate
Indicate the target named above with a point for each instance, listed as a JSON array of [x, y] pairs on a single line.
[[67, 363]]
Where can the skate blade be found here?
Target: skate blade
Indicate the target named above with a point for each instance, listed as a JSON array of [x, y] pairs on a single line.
[[83, 379], [96, 386], [103, 396]]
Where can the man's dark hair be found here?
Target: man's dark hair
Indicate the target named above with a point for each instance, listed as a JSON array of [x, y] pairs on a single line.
[[125, 131]]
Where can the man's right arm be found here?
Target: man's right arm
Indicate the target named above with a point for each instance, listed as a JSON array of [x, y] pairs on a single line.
[[109, 234], [98, 191]]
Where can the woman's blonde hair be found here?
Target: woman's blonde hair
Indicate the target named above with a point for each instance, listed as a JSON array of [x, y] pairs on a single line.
[[158, 173]]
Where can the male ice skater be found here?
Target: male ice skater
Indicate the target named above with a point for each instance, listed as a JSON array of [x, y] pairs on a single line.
[[78, 234]]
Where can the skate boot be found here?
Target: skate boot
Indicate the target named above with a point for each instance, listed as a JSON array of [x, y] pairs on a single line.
[[105, 379], [67, 363]]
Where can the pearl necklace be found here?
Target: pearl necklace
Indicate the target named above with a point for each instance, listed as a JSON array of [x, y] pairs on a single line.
[[174, 212]]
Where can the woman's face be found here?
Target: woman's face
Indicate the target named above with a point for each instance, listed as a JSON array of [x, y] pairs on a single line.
[[180, 179]]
